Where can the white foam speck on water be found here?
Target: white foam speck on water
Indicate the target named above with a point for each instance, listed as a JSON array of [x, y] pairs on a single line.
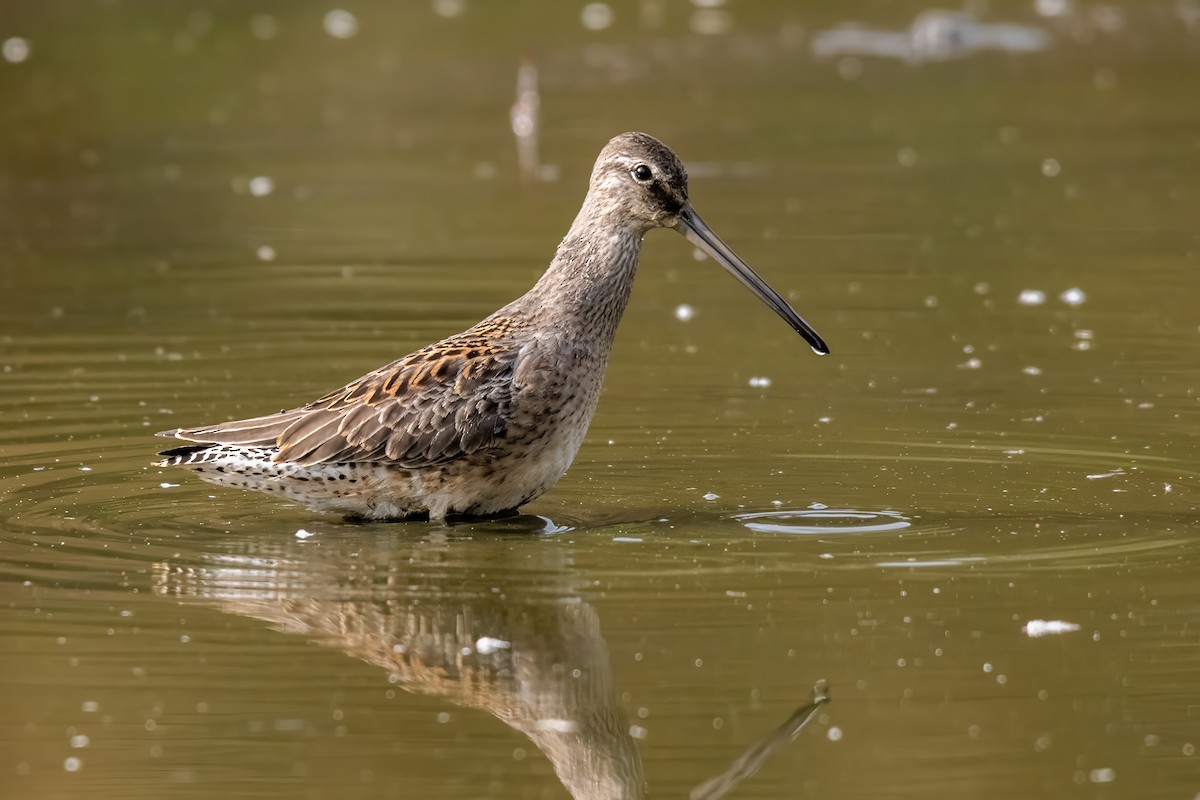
[[817, 506], [15, 50], [638, 732], [627, 539], [596, 16], [1052, 8], [711, 496], [1036, 628], [834, 734], [303, 534], [449, 8], [89, 707], [80, 741], [265, 253], [72, 764], [684, 312], [264, 26], [1032, 370], [260, 185], [1073, 296], [1102, 775], [971, 363], [760, 382], [85, 469], [1031, 297], [1051, 168], [486, 645], [167, 485], [341, 24], [1100, 475]]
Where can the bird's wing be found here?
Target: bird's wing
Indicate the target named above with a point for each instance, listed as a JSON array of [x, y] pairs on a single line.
[[435, 405]]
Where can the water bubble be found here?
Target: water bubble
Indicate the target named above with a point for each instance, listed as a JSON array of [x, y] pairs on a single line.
[[1102, 775], [1052, 8], [1032, 370], [80, 740], [684, 312], [1051, 168], [1031, 297], [1073, 296], [850, 69], [449, 8], [264, 26], [15, 50], [834, 734], [711, 496], [72, 764], [760, 382], [265, 252], [907, 157], [710, 22], [260, 186], [596, 16], [341, 24]]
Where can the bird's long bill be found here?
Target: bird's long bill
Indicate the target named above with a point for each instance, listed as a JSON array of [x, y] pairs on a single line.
[[702, 236]]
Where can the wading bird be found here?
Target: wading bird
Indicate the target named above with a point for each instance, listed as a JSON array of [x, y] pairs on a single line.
[[484, 421]]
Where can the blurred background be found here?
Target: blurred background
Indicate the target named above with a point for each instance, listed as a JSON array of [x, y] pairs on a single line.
[[977, 518]]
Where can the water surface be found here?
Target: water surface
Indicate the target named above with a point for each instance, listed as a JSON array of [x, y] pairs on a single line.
[[998, 241]]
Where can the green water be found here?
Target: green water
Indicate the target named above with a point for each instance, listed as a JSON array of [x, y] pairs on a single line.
[[744, 518]]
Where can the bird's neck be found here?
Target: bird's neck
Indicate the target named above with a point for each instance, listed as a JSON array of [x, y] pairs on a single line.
[[588, 283]]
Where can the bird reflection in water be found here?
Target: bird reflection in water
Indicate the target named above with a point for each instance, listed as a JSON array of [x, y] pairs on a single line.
[[519, 642]]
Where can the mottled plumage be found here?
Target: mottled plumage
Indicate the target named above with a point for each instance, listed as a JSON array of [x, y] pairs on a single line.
[[485, 420]]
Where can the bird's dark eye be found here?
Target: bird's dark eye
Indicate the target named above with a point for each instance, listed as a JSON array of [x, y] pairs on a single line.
[[642, 173]]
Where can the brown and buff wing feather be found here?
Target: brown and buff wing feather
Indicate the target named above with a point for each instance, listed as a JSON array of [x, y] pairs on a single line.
[[440, 403]]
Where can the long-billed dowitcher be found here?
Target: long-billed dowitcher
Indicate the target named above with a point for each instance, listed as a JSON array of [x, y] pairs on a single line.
[[486, 420]]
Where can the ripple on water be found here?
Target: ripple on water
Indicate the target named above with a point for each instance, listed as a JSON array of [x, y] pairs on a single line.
[[824, 522]]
